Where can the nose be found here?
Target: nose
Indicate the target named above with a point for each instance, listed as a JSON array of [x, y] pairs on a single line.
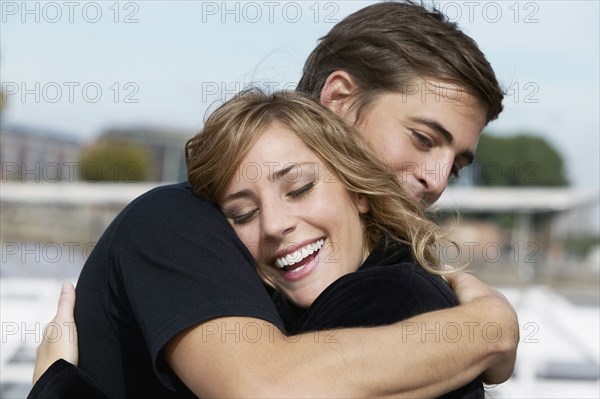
[[276, 220], [434, 185], [433, 179]]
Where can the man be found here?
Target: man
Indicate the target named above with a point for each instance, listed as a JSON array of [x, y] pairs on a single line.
[[167, 299]]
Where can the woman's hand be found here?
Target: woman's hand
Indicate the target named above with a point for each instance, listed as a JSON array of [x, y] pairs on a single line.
[[470, 290], [60, 335]]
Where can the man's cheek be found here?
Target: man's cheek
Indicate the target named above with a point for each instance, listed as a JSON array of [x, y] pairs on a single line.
[[406, 171]]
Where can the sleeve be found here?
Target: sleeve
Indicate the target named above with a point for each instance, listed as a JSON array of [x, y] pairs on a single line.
[[63, 380], [180, 264]]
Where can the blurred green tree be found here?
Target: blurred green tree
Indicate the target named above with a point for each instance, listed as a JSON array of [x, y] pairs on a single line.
[[520, 160], [114, 160]]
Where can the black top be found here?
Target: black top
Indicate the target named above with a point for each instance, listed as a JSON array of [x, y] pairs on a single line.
[[169, 260], [389, 287], [62, 380]]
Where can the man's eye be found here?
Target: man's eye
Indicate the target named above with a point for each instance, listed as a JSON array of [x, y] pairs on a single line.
[[245, 218], [422, 139], [302, 190]]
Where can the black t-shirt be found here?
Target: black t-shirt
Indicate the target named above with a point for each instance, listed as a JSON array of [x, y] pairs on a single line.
[[389, 287], [167, 262]]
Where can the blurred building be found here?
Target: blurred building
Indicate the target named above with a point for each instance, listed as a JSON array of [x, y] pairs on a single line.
[[36, 155], [164, 146], [512, 236]]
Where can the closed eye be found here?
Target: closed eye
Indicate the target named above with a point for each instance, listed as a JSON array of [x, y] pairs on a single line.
[[302, 190], [245, 218]]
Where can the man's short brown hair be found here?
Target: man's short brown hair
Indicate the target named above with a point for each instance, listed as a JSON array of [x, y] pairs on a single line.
[[385, 47]]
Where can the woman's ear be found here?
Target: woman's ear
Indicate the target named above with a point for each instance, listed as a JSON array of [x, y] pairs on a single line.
[[338, 93]]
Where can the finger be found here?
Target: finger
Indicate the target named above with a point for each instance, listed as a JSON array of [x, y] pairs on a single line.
[[462, 277], [447, 270], [455, 278], [66, 303]]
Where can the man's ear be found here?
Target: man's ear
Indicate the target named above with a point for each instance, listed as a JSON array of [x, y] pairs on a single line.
[[338, 93]]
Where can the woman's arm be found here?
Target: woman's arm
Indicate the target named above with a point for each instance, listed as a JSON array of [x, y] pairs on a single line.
[[56, 374], [63, 334]]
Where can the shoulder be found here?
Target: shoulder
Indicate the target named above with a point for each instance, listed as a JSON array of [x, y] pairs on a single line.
[[405, 279], [435, 284], [378, 295], [171, 220], [169, 198], [172, 207]]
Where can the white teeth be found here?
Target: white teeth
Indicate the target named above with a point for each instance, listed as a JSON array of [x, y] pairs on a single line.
[[298, 269], [298, 255]]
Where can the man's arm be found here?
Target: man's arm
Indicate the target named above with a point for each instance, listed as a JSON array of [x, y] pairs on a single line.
[[469, 289], [420, 357], [424, 356]]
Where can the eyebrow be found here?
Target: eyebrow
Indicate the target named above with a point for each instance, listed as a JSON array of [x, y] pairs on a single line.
[[275, 176], [238, 194], [283, 172], [445, 133]]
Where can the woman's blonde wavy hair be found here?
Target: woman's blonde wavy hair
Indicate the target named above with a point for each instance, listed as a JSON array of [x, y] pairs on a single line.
[[214, 155]]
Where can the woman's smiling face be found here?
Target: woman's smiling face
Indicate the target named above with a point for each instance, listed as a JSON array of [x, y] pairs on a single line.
[[302, 226]]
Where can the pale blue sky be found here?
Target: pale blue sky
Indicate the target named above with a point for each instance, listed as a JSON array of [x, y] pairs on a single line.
[[177, 53]]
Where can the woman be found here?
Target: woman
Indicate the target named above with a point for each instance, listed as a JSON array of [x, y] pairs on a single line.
[[312, 204], [328, 225]]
